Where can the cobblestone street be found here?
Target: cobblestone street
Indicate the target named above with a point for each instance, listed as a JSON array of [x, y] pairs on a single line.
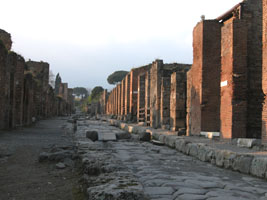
[[165, 173]]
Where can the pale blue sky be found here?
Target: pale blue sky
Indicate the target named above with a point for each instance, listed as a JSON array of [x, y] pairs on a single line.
[[86, 40]]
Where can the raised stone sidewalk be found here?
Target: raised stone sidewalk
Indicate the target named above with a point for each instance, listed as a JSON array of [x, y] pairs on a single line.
[[223, 154]]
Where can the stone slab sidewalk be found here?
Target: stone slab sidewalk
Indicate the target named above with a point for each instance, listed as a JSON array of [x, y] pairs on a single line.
[[223, 154]]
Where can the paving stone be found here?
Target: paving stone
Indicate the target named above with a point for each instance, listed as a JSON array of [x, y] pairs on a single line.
[[191, 197], [159, 190], [190, 191], [204, 184], [106, 136]]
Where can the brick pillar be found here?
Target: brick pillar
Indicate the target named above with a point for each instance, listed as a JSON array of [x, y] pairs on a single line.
[[204, 110], [122, 97], [155, 93], [19, 90], [3, 60], [178, 101], [264, 73], [28, 104], [147, 98], [165, 102], [234, 80], [141, 98], [133, 93], [127, 94], [119, 99]]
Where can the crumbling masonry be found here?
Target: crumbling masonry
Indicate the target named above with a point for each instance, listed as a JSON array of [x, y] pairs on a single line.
[[225, 90], [25, 94]]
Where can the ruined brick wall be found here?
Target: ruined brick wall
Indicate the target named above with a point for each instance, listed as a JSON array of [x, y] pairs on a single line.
[[264, 72], [141, 98], [147, 98], [122, 97], [5, 37], [127, 93], [28, 103], [3, 90], [204, 97], [165, 101], [155, 93], [119, 99], [178, 101], [40, 71], [252, 14], [234, 79], [19, 90], [133, 88], [63, 91]]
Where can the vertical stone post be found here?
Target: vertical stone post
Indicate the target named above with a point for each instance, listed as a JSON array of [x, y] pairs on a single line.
[[147, 98]]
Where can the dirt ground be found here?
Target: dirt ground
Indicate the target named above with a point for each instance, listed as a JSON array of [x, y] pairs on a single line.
[[23, 177]]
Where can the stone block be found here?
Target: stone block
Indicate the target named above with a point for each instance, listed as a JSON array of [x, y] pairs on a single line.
[[144, 136], [92, 135], [242, 163], [170, 140], [193, 150], [259, 167], [247, 142], [106, 136]]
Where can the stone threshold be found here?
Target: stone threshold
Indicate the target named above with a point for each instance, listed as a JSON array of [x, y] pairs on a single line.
[[218, 153]]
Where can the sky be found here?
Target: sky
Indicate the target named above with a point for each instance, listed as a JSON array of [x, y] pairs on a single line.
[[87, 40]]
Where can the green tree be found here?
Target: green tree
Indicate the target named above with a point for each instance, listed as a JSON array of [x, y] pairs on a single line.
[[80, 91], [96, 92], [116, 77]]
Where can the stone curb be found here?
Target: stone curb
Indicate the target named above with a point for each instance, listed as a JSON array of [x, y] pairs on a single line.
[[244, 163]]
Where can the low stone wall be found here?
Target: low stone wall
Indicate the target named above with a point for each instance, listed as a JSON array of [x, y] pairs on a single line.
[[246, 163]]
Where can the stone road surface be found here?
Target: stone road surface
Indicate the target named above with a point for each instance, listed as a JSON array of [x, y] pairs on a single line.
[[167, 174]]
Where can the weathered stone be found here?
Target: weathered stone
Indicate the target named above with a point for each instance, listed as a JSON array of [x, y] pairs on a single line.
[[249, 143], [242, 163], [60, 165], [193, 150], [159, 190], [106, 136], [43, 156], [92, 135], [144, 136], [191, 197], [259, 167], [170, 140], [123, 135]]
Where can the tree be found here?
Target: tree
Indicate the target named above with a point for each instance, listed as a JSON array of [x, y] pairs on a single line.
[[81, 92], [116, 77], [96, 92], [57, 83]]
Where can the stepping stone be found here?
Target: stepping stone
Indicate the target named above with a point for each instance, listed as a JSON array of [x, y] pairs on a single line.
[[106, 136]]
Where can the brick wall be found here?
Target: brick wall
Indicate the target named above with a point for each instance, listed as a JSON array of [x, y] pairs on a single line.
[[252, 14], [3, 60], [127, 94], [141, 98], [203, 97], [264, 72], [155, 93], [178, 101], [147, 98], [165, 101], [122, 97], [234, 79], [5, 37]]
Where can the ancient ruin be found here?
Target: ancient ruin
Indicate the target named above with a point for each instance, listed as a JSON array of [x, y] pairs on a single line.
[[26, 95]]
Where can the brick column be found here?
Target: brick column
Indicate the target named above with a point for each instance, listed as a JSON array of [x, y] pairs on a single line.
[[264, 73], [147, 98], [141, 98], [178, 101], [155, 93], [204, 88], [234, 80], [165, 102], [122, 97], [127, 94]]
